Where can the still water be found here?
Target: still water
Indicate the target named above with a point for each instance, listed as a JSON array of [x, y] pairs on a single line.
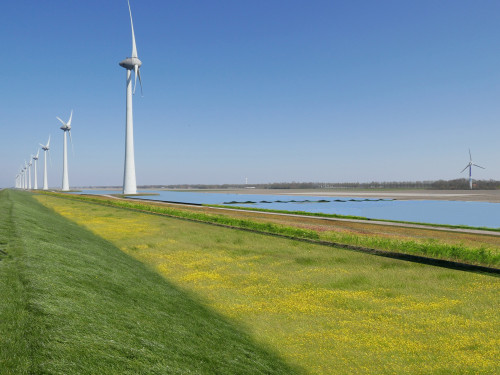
[[477, 214]]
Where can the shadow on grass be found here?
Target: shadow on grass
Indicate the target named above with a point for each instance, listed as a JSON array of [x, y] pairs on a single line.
[[89, 308]]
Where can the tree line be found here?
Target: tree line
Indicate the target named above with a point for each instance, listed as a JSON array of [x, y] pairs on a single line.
[[456, 184]]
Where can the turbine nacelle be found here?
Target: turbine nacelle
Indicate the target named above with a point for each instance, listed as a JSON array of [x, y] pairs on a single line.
[[66, 125], [130, 63], [133, 63]]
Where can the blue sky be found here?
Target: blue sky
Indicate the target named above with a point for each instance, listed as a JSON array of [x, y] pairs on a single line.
[[265, 89]]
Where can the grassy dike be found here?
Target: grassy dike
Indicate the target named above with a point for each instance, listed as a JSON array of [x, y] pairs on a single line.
[[73, 303]]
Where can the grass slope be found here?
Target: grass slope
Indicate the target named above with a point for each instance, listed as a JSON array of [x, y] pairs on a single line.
[[327, 310], [72, 303]]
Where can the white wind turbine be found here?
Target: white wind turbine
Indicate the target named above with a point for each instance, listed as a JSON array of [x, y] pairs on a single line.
[[45, 149], [66, 128], [21, 178], [29, 172], [25, 176], [25, 169], [35, 158], [130, 63], [470, 165]]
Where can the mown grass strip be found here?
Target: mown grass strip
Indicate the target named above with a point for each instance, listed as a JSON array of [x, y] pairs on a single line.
[[446, 255], [73, 303], [337, 216]]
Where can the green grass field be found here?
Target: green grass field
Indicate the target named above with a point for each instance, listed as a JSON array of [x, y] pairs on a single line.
[[90, 289], [73, 303]]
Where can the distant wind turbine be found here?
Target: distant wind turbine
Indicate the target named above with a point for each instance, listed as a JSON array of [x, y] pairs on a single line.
[[470, 165], [130, 63], [29, 172], [66, 128], [21, 178], [45, 149], [35, 158], [25, 175]]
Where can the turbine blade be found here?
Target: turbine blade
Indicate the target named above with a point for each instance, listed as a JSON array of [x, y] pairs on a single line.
[[140, 81], [70, 117], [134, 47], [50, 158], [61, 121], [136, 69], [470, 155], [478, 166], [465, 168], [48, 143]]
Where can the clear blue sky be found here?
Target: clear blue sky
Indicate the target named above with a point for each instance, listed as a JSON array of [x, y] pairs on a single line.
[[265, 89]]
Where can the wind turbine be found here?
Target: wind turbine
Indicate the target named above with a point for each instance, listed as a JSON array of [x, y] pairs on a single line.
[[45, 149], [130, 63], [29, 172], [470, 169], [21, 178], [66, 128], [25, 175], [35, 158]]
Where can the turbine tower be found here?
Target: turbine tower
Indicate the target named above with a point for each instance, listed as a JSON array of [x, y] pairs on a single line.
[[29, 173], [130, 63], [45, 149], [66, 128], [35, 158], [470, 169]]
